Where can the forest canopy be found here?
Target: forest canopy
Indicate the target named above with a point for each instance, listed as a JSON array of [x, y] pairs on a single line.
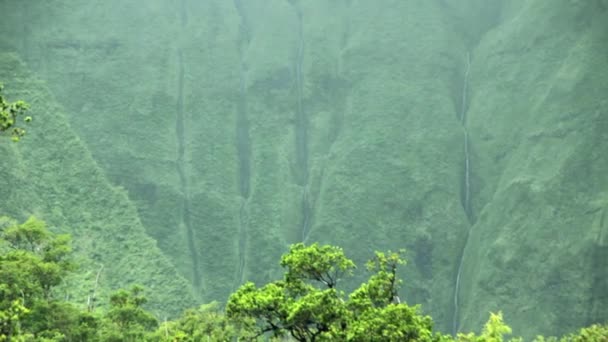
[[306, 305]]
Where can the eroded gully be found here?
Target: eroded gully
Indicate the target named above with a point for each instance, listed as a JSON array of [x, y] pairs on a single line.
[[301, 132], [180, 162]]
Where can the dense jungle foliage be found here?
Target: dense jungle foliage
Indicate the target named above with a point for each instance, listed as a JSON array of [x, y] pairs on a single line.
[[185, 146], [306, 305]]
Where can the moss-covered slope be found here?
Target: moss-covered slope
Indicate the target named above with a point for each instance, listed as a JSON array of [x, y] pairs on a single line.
[[51, 174], [538, 121], [470, 132]]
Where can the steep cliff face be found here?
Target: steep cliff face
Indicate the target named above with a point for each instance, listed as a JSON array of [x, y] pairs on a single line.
[[538, 126], [469, 132], [153, 91], [52, 175]]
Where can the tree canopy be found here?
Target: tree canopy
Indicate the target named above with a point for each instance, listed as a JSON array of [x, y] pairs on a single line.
[[306, 305], [33, 261]]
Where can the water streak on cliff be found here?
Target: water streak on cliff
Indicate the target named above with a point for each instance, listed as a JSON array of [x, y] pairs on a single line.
[[181, 164], [243, 144], [465, 195]]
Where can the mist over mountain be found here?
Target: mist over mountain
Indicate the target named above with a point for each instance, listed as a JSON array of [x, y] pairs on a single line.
[[186, 144]]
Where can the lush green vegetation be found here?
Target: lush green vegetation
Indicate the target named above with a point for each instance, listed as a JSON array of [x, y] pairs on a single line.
[[306, 305], [381, 84], [9, 116]]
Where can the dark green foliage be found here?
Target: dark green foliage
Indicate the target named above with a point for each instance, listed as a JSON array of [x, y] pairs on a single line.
[[205, 323], [127, 320], [61, 320], [9, 114]]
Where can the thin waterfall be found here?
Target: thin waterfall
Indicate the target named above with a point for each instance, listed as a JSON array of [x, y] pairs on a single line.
[[306, 213], [455, 322], [301, 118], [466, 192], [467, 178], [243, 233], [465, 85], [243, 145], [466, 181]]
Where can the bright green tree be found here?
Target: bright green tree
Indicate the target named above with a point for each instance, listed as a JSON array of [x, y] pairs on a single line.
[[33, 261], [308, 306], [11, 315], [9, 116], [596, 333], [592, 333], [493, 331]]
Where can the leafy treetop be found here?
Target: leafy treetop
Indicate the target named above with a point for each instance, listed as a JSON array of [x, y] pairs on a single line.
[[307, 305]]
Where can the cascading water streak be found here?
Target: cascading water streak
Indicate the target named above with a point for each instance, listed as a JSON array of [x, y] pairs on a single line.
[[465, 85], [466, 193], [467, 178], [243, 146], [306, 215]]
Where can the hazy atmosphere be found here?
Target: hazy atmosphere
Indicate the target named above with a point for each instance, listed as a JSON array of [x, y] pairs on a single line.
[[186, 144]]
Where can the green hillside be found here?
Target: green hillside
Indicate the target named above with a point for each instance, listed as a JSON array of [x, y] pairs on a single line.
[[186, 144], [51, 174]]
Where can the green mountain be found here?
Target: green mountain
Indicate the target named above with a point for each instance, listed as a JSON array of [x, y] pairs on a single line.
[[52, 175], [472, 133]]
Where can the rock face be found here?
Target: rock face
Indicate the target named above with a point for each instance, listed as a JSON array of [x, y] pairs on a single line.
[[472, 133]]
